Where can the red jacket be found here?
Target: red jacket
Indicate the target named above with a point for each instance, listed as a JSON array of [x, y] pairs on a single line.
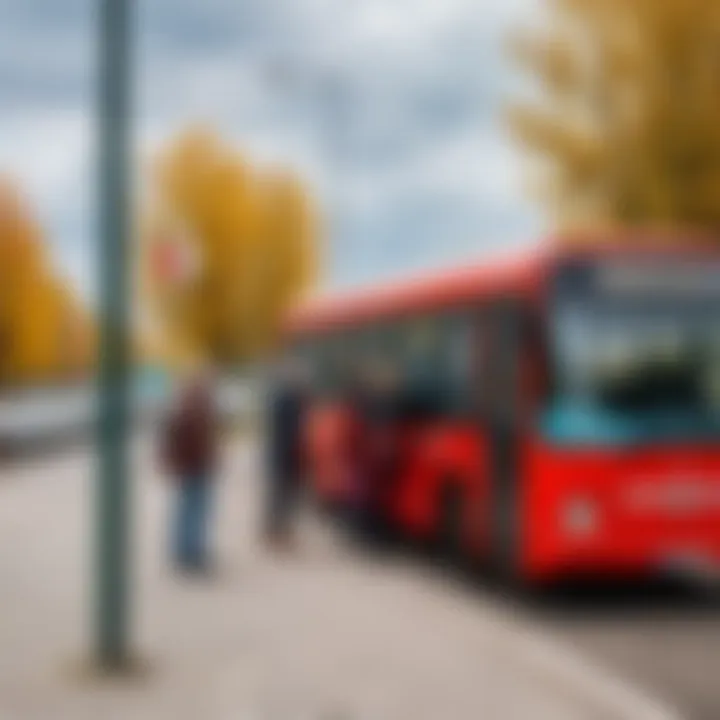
[[190, 443]]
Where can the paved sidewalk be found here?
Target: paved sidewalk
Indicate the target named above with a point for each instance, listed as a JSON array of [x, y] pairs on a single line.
[[325, 635]]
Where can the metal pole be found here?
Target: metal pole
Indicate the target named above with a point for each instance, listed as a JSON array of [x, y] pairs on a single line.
[[111, 631]]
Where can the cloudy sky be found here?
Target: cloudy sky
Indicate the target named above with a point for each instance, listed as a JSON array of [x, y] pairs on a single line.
[[390, 108]]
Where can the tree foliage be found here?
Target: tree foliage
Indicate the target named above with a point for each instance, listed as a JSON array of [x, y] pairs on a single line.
[[46, 336], [241, 248], [627, 130]]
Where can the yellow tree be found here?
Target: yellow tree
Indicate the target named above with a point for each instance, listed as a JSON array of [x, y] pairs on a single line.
[[77, 338], [628, 128], [285, 262], [211, 253], [45, 335]]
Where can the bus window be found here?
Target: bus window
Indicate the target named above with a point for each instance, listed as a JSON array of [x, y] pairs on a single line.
[[375, 346], [358, 348], [363, 350], [419, 350], [318, 352], [338, 363], [437, 360], [305, 352], [459, 354]]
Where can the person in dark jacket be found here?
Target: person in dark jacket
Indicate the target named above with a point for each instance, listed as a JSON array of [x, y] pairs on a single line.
[[190, 456], [285, 421]]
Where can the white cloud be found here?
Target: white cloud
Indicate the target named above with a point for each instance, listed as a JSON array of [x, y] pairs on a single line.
[[45, 151], [423, 81], [472, 165], [48, 154]]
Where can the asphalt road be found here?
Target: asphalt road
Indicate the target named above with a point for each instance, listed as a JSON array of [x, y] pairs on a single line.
[[665, 640], [660, 639]]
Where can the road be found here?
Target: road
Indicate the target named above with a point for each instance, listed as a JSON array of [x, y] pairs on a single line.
[[659, 641], [326, 634], [663, 639]]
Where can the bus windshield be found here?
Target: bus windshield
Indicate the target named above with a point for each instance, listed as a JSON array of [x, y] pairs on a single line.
[[634, 366]]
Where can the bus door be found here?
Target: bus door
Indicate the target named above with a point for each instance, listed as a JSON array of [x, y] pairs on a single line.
[[500, 404]]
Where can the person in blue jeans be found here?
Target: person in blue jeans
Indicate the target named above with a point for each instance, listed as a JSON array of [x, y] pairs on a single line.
[[190, 455], [190, 544]]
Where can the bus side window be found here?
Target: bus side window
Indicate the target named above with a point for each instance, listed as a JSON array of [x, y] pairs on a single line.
[[501, 387], [421, 351], [304, 352], [480, 375], [370, 350], [356, 347], [326, 366], [339, 365], [459, 360], [392, 348]]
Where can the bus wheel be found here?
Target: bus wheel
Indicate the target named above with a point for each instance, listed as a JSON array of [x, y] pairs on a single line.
[[449, 544]]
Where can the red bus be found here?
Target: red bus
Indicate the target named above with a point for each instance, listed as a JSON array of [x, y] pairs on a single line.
[[571, 401]]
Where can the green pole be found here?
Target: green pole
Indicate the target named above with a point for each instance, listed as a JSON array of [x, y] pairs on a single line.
[[111, 601]]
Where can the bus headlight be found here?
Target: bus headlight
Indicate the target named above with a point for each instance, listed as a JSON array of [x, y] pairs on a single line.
[[580, 516]]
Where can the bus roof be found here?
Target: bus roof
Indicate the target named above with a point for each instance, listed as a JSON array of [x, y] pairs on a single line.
[[439, 290], [519, 275]]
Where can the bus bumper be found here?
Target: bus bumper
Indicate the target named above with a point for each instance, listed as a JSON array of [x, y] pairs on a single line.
[[695, 565]]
